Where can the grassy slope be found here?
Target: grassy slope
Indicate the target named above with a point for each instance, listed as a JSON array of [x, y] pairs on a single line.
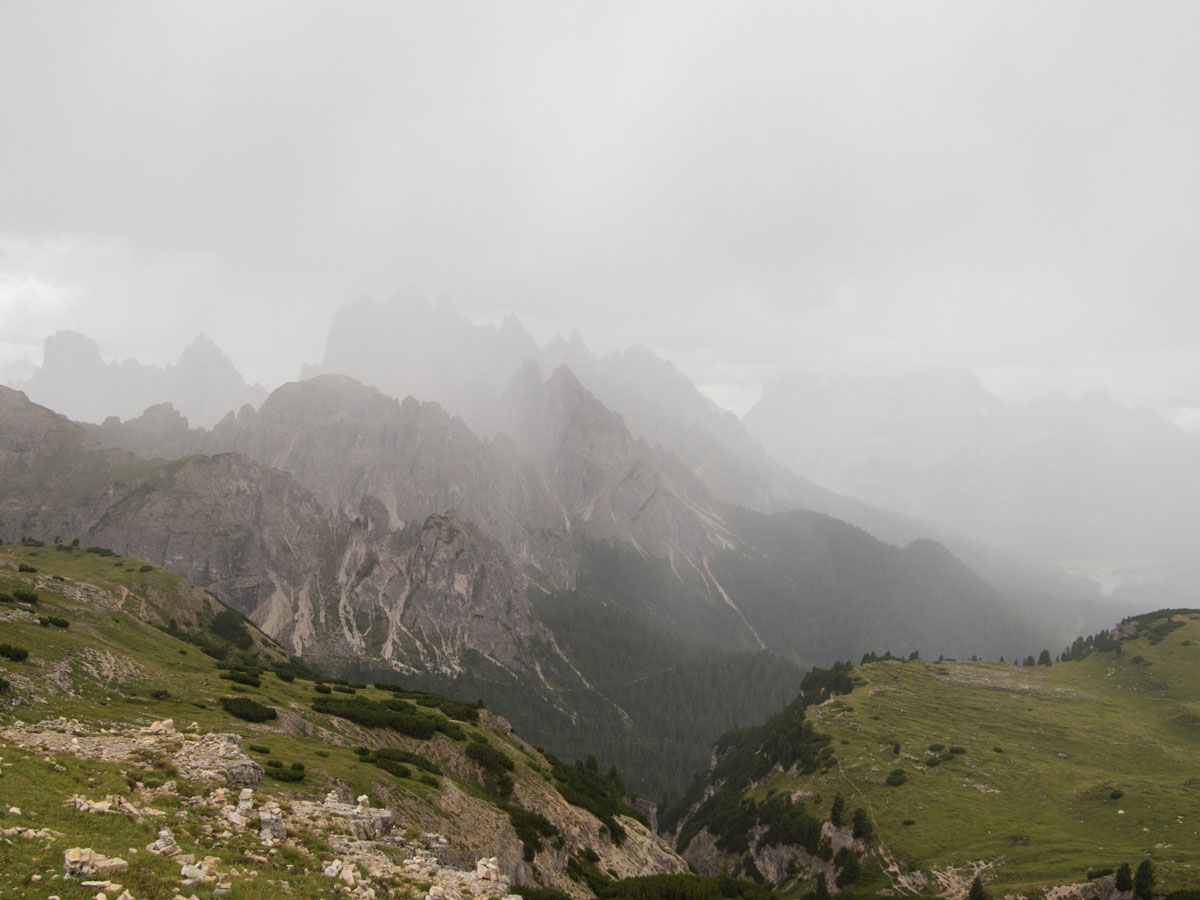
[[103, 623], [1070, 735]]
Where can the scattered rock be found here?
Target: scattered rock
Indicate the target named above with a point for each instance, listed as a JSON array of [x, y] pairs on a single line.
[[84, 862], [218, 756]]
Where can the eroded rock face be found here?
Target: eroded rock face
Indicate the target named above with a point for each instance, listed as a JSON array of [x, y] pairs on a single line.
[[354, 582]]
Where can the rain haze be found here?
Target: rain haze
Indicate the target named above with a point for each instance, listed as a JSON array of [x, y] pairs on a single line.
[[794, 406], [746, 189]]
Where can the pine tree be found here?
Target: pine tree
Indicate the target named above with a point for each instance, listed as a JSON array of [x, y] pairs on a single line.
[[1143, 879], [977, 891], [1123, 880], [837, 812], [862, 824]]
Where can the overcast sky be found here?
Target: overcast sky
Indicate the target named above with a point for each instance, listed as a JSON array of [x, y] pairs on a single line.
[[745, 188]]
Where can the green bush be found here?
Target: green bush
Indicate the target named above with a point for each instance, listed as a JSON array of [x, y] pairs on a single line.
[[101, 551], [275, 763], [25, 567], [404, 756], [7, 598], [13, 652], [393, 768], [371, 714], [489, 758], [322, 689], [242, 678], [56, 621], [5, 684], [683, 887], [247, 709], [285, 774], [895, 778], [231, 625], [1116, 795], [259, 748], [25, 596], [344, 689], [146, 568], [531, 827], [539, 893]]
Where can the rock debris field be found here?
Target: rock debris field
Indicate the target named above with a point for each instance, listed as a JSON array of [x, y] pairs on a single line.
[[363, 853]]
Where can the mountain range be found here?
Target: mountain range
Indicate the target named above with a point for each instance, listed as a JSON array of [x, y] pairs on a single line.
[[1085, 481], [587, 543]]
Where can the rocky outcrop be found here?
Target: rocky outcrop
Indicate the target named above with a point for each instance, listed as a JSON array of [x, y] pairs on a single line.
[[218, 756]]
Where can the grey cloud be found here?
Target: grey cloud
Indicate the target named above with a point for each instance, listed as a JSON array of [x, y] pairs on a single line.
[[744, 188]]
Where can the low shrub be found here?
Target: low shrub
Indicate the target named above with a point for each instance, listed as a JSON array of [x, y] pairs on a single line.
[[56, 621], [146, 568], [394, 768], [13, 652], [246, 709], [25, 596], [405, 756], [286, 774], [322, 689], [25, 567], [242, 678], [259, 748], [895, 778]]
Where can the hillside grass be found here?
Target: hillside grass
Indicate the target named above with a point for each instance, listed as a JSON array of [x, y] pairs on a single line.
[[1045, 750], [111, 668]]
